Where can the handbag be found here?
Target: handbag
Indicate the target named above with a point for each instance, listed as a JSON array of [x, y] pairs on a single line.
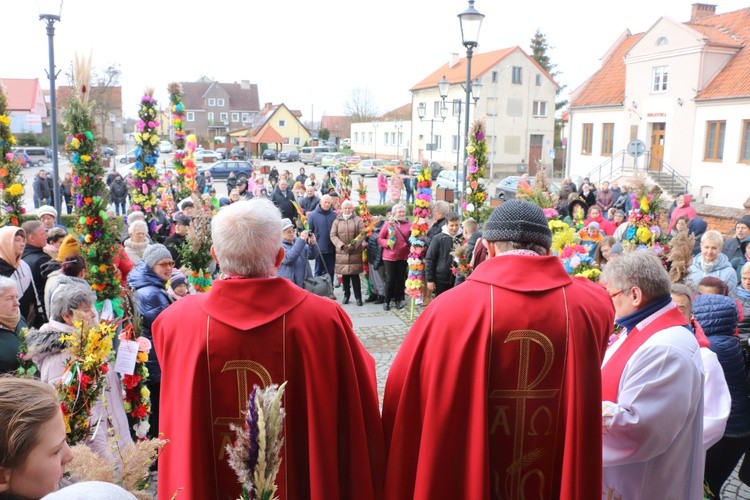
[[320, 285]]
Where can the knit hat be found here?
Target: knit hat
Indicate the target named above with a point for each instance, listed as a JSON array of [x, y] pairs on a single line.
[[46, 210], [616, 249], [621, 213], [745, 220], [593, 224], [177, 279], [285, 223], [154, 253], [68, 247], [519, 221]]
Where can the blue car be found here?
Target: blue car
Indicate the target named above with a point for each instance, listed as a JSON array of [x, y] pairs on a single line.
[[221, 169]]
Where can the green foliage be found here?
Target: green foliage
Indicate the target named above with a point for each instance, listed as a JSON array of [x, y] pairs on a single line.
[[11, 178], [324, 134]]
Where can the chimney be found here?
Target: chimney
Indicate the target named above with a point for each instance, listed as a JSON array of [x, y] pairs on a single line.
[[267, 107], [453, 61], [701, 10]]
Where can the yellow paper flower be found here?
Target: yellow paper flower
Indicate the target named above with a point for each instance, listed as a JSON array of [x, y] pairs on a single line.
[[75, 143], [644, 205], [5, 120], [470, 149], [643, 234], [15, 189], [144, 390], [86, 158], [154, 140]]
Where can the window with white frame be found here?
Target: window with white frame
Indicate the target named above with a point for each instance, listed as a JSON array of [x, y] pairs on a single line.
[[211, 101], [219, 101], [494, 76], [210, 116], [454, 139], [296, 141], [235, 117], [456, 107], [282, 123], [538, 80], [540, 108], [662, 41], [245, 117], [659, 81], [436, 108], [223, 117], [190, 116], [437, 141], [369, 137], [517, 75]]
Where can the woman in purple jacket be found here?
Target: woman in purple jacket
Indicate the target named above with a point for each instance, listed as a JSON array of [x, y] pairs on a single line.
[[394, 238]]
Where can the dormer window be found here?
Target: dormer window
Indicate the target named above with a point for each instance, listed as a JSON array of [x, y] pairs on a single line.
[[662, 41]]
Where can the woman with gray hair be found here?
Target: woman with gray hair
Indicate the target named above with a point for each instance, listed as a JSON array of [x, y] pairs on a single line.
[[394, 238], [71, 302], [711, 262], [11, 324], [137, 243], [344, 233]]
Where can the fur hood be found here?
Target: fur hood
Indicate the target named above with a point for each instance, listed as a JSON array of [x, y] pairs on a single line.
[[46, 340]]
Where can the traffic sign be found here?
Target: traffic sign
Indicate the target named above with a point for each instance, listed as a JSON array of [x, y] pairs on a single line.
[[636, 148]]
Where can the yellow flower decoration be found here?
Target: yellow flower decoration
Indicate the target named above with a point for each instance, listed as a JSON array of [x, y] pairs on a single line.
[[15, 189], [644, 205], [75, 143], [643, 234], [5, 120]]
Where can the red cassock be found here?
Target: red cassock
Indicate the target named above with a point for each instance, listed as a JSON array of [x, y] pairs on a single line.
[[214, 347], [494, 393]]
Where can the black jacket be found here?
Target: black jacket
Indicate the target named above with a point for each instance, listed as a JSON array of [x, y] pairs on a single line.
[[173, 244], [36, 259], [41, 188], [438, 262], [436, 229], [283, 202], [309, 204], [374, 250], [118, 191]]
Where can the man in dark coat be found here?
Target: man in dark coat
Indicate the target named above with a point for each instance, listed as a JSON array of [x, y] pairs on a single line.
[[175, 242], [283, 197], [118, 192], [42, 191], [36, 258], [309, 202], [320, 221]]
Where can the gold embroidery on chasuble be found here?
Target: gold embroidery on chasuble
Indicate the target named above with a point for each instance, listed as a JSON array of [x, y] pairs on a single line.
[[526, 371]]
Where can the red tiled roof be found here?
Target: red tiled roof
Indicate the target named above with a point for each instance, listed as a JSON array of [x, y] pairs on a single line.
[[21, 93], [734, 79], [480, 64], [340, 124], [400, 113], [110, 97], [607, 86], [268, 135]]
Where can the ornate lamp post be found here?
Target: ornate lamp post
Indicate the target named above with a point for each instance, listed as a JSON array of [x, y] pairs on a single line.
[[49, 12], [471, 22]]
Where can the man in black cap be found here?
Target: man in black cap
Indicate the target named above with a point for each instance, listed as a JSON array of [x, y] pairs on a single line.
[[519, 343], [732, 246], [175, 242]]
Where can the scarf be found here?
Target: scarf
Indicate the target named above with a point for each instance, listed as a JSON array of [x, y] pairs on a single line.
[[631, 320], [7, 250], [742, 293], [10, 321], [346, 216], [138, 248], [708, 267]]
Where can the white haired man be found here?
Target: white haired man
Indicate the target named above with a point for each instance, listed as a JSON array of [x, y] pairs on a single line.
[[652, 389], [518, 343], [253, 328]]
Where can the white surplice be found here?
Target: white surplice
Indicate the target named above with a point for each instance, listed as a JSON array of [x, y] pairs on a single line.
[[717, 402], [653, 434]]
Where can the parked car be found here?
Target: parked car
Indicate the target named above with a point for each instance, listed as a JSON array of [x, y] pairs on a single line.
[[309, 153], [317, 159], [221, 169], [447, 180], [509, 185], [270, 154], [222, 152], [128, 157], [435, 169], [36, 156], [238, 152], [289, 155], [331, 159], [107, 152], [332, 147], [165, 147], [206, 154], [368, 168], [25, 159]]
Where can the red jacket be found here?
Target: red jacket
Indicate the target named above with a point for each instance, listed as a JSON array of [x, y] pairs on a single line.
[[400, 250], [503, 396]]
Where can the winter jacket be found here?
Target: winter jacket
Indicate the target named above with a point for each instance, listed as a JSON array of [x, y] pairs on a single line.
[[309, 204], [738, 262], [41, 188], [173, 244], [438, 262], [9, 344], [734, 249], [684, 211], [296, 264], [348, 256], [697, 227], [374, 250], [36, 259], [283, 201], [605, 199], [717, 315], [434, 230], [231, 183], [743, 326], [320, 222], [118, 191], [589, 199], [399, 251], [720, 268], [49, 356], [382, 183], [151, 298]]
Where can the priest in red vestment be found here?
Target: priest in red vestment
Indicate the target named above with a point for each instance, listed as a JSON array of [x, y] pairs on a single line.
[[250, 329], [494, 391]]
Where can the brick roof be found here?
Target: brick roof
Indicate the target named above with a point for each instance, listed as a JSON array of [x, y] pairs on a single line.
[[400, 113], [21, 93], [480, 64], [268, 135], [109, 97], [340, 124], [732, 29], [607, 86]]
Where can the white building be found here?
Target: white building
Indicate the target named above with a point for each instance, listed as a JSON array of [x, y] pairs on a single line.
[[683, 89], [387, 139], [517, 103]]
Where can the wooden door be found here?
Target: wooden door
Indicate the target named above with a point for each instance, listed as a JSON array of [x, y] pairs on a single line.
[[657, 146], [535, 153]]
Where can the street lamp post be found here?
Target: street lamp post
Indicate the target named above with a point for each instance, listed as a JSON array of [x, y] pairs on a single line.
[[470, 21], [375, 126], [112, 118], [399, 125], [49, 12]]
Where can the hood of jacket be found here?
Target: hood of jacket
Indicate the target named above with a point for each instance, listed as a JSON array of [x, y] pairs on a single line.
[[697, 226], [717, 314], [142, 276], [46, 340], [720, 263], [687, 200]]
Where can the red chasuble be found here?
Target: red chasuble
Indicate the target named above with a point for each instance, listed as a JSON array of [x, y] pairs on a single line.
[[495, 392], [214, 347]]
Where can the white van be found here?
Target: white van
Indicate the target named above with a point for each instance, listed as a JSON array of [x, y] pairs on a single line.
[[38, 155], [307, 154]]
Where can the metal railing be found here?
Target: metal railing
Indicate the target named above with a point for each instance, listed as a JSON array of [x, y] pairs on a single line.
[[622, 163]]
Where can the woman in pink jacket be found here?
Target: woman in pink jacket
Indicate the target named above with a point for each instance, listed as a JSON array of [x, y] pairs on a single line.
[[382, 186], [394, 238], [684, 209]]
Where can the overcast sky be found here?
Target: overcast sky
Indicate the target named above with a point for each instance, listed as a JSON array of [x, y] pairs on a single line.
[[310, 55]]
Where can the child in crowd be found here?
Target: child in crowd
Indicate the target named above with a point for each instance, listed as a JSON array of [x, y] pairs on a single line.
[[178, 286], [439, 260]]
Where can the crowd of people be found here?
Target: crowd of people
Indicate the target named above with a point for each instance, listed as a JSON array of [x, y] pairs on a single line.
[[562, 387]]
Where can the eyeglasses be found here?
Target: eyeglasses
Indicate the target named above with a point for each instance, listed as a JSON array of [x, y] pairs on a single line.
[[613, 295], [165, 264]]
